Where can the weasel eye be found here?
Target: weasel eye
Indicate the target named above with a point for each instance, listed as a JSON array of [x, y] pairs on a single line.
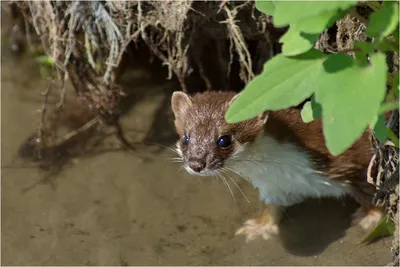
[[224, 141], [185, 140]]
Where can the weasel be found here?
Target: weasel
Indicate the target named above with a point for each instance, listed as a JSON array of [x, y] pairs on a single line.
[[285, 158]]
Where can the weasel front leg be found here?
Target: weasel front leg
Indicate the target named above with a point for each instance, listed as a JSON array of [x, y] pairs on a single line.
[[264, 224], [368, 217]]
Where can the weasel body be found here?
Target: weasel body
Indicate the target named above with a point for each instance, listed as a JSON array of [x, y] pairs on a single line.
[[283, 174], [285, 158]]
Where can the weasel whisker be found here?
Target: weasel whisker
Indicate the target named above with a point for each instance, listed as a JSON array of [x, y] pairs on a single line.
[[175, 160], [244, 178], [238, 187], [167, 147], [227, 185], [181, 168]]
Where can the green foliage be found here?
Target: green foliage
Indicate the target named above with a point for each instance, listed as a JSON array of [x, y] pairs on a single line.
[[45, 60], [267, 7], [349, 110], [311, 111], [306, 19], [387, 45], [296, 42], [388, 106], [393, 137], [396, 87], [364, 47], [380, 128], [384, 21], [396, 36], [46, 64], [292, 12], [386, 227], [286, 81], [348, 93], [302, 34]]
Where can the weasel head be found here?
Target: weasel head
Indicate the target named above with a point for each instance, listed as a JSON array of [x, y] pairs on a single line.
[[206, 140]]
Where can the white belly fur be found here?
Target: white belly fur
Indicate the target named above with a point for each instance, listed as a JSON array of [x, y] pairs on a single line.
[[282, 173]]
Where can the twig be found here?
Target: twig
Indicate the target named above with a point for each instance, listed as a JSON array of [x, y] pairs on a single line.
[[82, 129], [154, 49], [60, 104], [43, 110], [240, 44], [120, 135], [89, 52]]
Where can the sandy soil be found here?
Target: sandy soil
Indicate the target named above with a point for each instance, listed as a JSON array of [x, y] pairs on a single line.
[[113, 209]]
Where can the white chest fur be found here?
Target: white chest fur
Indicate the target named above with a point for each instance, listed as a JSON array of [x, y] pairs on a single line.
[[282, 173]]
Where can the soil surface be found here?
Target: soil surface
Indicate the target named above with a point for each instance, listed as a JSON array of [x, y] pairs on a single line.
[[114, 209]]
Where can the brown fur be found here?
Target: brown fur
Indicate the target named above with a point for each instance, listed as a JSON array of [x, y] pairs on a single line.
[[201, 118], [350, 167]]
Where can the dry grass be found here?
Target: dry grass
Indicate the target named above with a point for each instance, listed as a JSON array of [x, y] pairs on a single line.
[[88, 40]]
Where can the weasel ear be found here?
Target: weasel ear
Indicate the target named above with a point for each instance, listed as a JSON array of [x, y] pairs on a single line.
[[263, 117], [180, 102]]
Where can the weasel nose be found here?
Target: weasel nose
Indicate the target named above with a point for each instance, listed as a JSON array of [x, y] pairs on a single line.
[[197, 166]]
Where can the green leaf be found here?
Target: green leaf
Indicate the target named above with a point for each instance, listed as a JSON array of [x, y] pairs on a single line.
[[311, 111], [285, 82], [288, 12], [388, 45], [393, 82], [295, 43], [388, 106], [302, 35], [266, 7], [361, 58], [384, 21], [386, 227], [350, 96], [45, 60], [307, 112], [380, 128], [374, 5], [318, 23], [396, 88], [366, 47], [393, 137], [396, 35]]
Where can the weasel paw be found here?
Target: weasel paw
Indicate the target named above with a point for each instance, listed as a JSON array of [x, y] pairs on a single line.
[[367, 219], [254, 228]]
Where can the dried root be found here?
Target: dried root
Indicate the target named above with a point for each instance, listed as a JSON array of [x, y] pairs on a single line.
[[88, 40]]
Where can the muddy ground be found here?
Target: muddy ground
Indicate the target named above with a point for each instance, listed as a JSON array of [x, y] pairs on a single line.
[[114, 209]]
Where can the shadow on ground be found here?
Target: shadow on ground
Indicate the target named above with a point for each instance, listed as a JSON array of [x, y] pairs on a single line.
[[309, 228]]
